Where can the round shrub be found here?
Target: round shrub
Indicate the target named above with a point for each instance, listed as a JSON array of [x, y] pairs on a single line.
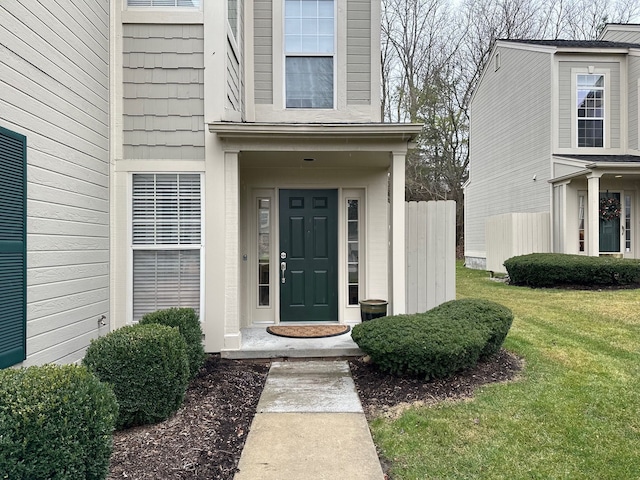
[[437, 343], [147, 367], [188, 323], [55, 422], [493, 317]]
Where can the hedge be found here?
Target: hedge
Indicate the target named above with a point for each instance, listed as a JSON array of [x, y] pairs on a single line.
[[56, 422], [556, 269], [188, 323], [148, 368], [437, 343]]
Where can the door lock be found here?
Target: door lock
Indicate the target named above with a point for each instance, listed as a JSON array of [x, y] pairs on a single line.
[[283, 268]]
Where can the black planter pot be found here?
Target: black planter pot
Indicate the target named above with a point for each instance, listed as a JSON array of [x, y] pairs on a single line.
[[372, 308]]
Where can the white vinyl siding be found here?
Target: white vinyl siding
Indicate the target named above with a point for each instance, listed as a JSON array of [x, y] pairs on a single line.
[[166, 241], [504, 160], [54, 89]]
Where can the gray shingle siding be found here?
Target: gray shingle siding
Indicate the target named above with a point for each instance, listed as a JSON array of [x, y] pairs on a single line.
[[359, 52], [263, 53], [163, 91]]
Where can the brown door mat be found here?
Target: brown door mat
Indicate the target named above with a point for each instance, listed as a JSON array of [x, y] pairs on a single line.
[[308, 331]]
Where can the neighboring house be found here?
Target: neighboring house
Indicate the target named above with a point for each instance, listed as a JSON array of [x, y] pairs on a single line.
[[54, 179], [555, 132], [251, 170]]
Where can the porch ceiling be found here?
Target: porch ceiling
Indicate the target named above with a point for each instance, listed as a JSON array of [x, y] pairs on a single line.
[[313, 159]]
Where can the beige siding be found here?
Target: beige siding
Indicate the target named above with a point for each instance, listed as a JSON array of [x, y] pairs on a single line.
[[634, 77], [565, 121], [163, 91], [510, 142], [54, 89], [263, 53], [359, 52]]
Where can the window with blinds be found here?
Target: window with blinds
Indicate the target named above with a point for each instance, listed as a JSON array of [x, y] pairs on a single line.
[[166, 242], [164, 3]]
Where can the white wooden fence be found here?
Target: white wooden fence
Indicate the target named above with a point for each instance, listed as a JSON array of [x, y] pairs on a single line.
[[514, 234], [430, 240]]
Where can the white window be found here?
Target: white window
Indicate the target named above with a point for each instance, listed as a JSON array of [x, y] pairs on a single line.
[[590, 96], [164, 3], [264, 252], [166, 242], [309, 53], [353, 251]]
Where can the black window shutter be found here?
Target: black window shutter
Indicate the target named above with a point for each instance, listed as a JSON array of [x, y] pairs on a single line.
[[13, 247]]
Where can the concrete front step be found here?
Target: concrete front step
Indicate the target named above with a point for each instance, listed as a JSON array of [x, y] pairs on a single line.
[[258, 343]]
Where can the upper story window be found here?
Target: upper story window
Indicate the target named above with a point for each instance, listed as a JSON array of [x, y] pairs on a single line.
[[164, 3], [590, 96], [309, 53]]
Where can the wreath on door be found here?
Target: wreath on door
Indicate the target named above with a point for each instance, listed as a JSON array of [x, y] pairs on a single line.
[[610, 208]]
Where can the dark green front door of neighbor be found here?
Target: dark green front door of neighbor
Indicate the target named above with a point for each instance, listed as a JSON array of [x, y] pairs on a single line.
[[308, 255]]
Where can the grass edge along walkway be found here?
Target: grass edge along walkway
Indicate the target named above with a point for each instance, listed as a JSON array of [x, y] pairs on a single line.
[[574, 413]]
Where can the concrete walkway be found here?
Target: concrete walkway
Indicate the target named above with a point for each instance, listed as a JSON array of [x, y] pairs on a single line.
[[309, 425]]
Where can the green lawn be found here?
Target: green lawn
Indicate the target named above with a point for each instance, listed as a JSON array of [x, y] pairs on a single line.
[[573, 414]]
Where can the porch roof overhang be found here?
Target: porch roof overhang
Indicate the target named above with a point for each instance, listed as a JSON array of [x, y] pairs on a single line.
[[391, 135], [602, 164]]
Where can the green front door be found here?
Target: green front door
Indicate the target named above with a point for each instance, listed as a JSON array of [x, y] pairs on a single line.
[[308, 255], [610, 231]]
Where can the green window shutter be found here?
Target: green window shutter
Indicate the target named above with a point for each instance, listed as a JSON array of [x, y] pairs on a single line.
[[13, 247]]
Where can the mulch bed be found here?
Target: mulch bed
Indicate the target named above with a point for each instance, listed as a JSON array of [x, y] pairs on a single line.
[[384, 394], [205, 437], [204, 440]]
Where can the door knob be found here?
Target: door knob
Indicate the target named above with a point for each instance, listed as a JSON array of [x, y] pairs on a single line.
[[283, 268]]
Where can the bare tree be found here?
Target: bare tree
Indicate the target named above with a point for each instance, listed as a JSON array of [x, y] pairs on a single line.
[[433, 55]]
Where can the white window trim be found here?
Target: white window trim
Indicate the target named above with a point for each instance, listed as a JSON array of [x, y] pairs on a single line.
[[352, 311], [263, 314], [333, 55], [131, 247], [126, 6], [606, 140]]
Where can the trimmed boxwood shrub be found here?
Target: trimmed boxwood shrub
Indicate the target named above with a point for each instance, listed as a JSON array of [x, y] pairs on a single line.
[[437, 343], [557, 269], [147, 367], [55, 422], [496, 319], [188, 323]]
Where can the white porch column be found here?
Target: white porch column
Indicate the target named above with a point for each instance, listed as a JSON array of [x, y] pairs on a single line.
[[593, 214], [231, 251], [398, 300]]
